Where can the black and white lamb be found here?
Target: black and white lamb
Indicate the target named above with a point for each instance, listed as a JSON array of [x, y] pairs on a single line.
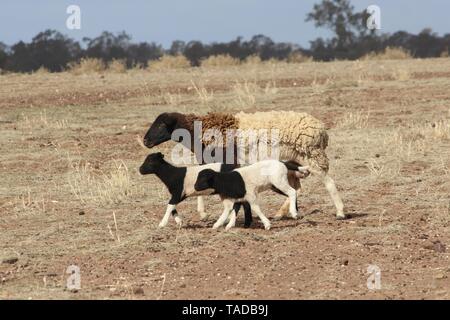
[[245, 184], [180, 183]]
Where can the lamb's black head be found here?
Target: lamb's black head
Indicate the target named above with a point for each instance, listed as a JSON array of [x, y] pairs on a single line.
[[152, 163], [161, 129], [205, 180]]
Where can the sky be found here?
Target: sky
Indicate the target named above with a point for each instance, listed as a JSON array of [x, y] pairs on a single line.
[[206, 20]]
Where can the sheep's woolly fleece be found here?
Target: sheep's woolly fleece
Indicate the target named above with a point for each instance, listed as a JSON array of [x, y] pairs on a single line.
[[300, 134]]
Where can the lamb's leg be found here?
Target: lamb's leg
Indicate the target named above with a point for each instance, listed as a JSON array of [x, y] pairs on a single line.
[[255, 207], [232, 221], [228, 206], [165, 219], [177, 217], [201, 208]]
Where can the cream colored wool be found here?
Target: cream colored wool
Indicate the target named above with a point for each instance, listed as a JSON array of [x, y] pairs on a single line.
[[301, 136]]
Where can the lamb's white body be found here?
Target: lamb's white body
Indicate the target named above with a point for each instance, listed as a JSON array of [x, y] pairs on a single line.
[[259, 177]]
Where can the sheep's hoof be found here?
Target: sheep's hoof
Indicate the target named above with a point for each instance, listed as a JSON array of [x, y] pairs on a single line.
[[203, 216], [162, 225], [294, 216], [278, 216], [215, 226], [341, 217], [267, 226]]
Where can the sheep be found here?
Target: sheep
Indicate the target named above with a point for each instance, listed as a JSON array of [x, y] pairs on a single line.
[[245, 183], [180, 183], [302, 138]]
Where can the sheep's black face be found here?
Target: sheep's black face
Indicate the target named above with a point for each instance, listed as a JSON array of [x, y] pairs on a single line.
[[205, 180], [160, 131], [151, 163]]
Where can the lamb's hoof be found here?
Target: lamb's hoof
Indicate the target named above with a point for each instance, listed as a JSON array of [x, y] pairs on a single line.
[[247, 225], [228, 227], [267, 226], [178, 221], [294, 216], [215, 226], [341, 217], [278, 217]]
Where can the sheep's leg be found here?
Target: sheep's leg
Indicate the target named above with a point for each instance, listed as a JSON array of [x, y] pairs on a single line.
[[331, 187], [283, 211], [228, 206], [294, 182], [201, 208], [165, 219], [292, 198], [255, 207]]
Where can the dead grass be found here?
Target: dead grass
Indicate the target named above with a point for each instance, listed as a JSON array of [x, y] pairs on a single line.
[[390, 53], [223, 60], [90, 185], [389, 154], [167, 62], [118, 66], [86, 66], [298, 57]]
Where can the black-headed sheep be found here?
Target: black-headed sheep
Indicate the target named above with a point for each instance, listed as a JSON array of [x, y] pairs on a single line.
[[302, 138]]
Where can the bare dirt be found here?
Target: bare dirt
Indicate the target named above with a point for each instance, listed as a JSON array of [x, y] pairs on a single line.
[[70, 192]]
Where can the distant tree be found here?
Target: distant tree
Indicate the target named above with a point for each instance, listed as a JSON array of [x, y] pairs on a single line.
[[348, 27], [49, 49], [177, 47], [3, 55], [108, 46], [140, 54], [195, 51]]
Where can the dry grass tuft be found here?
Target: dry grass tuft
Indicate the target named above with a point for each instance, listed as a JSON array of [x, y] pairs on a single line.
[[86, 66], [167, 62], [89, 185], [253, 60], [298, 57], [118, 66], [390, 53], [354, 120], [222, 60]]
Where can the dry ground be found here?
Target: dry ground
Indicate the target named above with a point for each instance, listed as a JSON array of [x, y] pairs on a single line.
[[70, 192]]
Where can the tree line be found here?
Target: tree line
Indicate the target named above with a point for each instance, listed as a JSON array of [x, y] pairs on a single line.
[[351, 40]]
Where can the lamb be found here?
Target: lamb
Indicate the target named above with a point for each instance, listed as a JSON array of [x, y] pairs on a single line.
[[245, 183], [180, 182], [303, 139]]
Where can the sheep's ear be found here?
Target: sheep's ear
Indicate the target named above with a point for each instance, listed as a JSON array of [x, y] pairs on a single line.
[[169, 119]]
